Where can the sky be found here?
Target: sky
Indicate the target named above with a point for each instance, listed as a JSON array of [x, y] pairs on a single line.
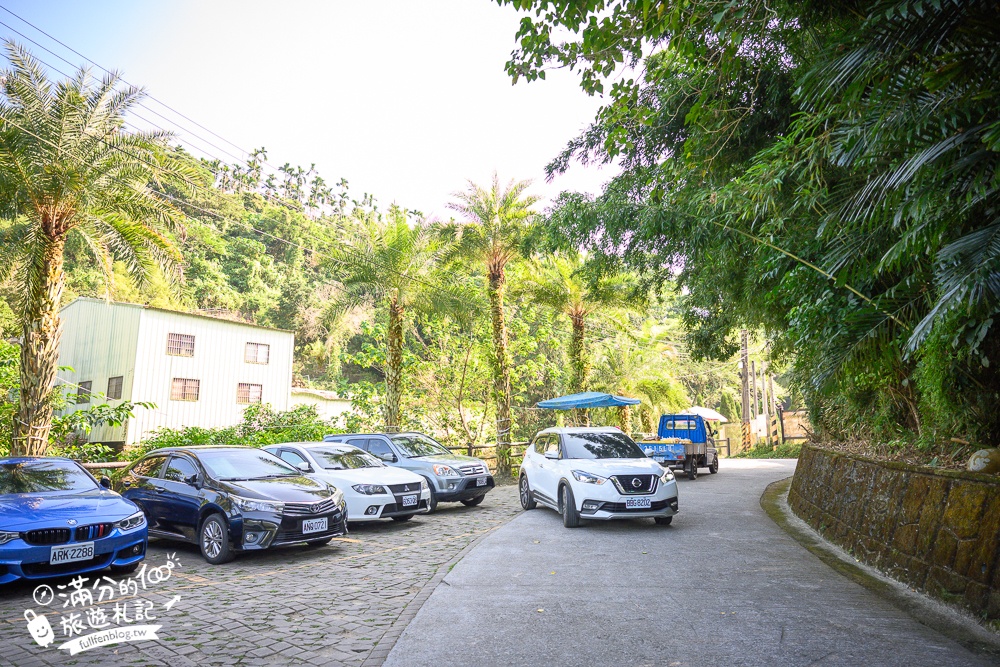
[[406, 100]]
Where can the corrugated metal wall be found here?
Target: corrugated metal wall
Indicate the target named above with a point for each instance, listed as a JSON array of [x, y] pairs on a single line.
[[218, 363], [102, 340], [99, 342]]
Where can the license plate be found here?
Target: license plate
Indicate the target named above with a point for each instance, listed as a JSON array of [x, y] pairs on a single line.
[[314, 526], [409, 501], [637, 503], [71, 553], [481, 481]]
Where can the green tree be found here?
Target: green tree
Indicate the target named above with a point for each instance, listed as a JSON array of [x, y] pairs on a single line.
[[496, 221], [388, 261], [68, 168], [559, 282]]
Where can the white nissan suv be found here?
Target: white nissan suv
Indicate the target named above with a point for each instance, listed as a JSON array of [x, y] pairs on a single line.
[[595, 473]]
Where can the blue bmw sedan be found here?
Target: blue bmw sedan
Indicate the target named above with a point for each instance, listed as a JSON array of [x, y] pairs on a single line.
[[56, 519]]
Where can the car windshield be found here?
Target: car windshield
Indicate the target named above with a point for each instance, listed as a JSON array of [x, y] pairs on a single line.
[[336, 459], [414, 445], [44, 475], [230, 464], [601, 445]]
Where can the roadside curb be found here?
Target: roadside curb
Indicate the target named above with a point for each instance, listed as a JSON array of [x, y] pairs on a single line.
[[954, 624], [388, 640]]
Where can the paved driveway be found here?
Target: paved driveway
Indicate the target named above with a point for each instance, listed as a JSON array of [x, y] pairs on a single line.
[[722, 586], [341, 604]]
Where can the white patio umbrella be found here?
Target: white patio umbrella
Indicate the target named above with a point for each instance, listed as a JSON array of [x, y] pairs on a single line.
[[706, 413]]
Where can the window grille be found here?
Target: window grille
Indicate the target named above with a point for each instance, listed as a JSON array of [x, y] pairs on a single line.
[[184, 389]]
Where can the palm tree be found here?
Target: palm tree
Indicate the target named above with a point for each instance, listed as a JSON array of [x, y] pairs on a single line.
[[559, 284], [496, 220], [388, 263], [68, 167]]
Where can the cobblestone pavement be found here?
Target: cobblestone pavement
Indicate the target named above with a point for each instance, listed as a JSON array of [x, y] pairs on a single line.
[[341, 604]]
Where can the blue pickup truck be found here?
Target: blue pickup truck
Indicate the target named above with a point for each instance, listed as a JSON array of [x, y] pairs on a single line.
[[684, 442]]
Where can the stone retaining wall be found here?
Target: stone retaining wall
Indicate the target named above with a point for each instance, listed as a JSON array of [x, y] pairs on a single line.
[[938, 532]]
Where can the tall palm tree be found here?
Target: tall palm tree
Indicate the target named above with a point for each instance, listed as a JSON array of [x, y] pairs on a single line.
[[496, 221], [558, 283], [388, 262], [68, 167]]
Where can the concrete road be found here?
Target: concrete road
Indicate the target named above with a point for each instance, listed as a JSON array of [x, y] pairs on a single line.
[[722, 586]]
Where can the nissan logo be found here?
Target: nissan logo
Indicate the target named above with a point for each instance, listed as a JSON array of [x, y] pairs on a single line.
[[636, 482]]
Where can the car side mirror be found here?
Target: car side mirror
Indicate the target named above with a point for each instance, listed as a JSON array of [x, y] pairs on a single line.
[[648, 452], [304, 467], [193, 480], [106, 482], [551, 455], [388, 457]]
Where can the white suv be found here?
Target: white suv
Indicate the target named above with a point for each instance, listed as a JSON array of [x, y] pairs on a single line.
[[595, 473]]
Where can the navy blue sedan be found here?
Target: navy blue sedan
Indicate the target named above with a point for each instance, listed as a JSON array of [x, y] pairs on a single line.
[[232, 499], [56, 519]]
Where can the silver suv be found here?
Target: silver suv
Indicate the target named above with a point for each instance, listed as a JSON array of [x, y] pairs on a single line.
[[451, 477]]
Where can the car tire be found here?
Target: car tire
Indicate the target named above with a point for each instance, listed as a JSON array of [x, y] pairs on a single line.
[[472, 502], [567, 503], [693, 468], [125, 569], [527, 500], [663, 520], [213, 539], [319, 543], [401, 519], [714, 468], [432, 503]]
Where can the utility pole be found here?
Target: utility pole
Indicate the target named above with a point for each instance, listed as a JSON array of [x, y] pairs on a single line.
[[763, 395], [745, 372], [754, 406]]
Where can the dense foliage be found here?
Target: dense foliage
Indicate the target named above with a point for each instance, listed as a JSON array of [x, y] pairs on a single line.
[[822, 172], [453, 327]]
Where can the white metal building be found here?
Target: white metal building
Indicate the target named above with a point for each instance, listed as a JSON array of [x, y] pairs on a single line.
[[328, 404], [198, 370]]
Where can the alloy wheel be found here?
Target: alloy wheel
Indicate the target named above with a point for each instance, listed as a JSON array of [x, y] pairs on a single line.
[[212, 539]]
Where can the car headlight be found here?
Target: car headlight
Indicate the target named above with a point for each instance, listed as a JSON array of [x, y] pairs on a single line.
[[6, 537], [667, 476], [131, 522], [589, 478], [252, 505], [369, 489], [445, 471], [423, 485]]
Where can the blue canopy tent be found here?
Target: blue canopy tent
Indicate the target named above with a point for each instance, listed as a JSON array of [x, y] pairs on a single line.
[[587, 400]]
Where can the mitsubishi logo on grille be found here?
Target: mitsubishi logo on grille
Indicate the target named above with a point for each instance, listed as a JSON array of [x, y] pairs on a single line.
[[636, 482], [406, 488]]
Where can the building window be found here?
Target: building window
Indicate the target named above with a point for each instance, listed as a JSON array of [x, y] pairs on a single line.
[[249, 393], [83, 392], [257, 353], [180, 345], [115, 387], [184, 389]]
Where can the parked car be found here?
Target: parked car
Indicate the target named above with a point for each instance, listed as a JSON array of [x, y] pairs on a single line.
[[450, 477], [57, 519], [230, 499], [372, 489], [684, 442], [595, 473]]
